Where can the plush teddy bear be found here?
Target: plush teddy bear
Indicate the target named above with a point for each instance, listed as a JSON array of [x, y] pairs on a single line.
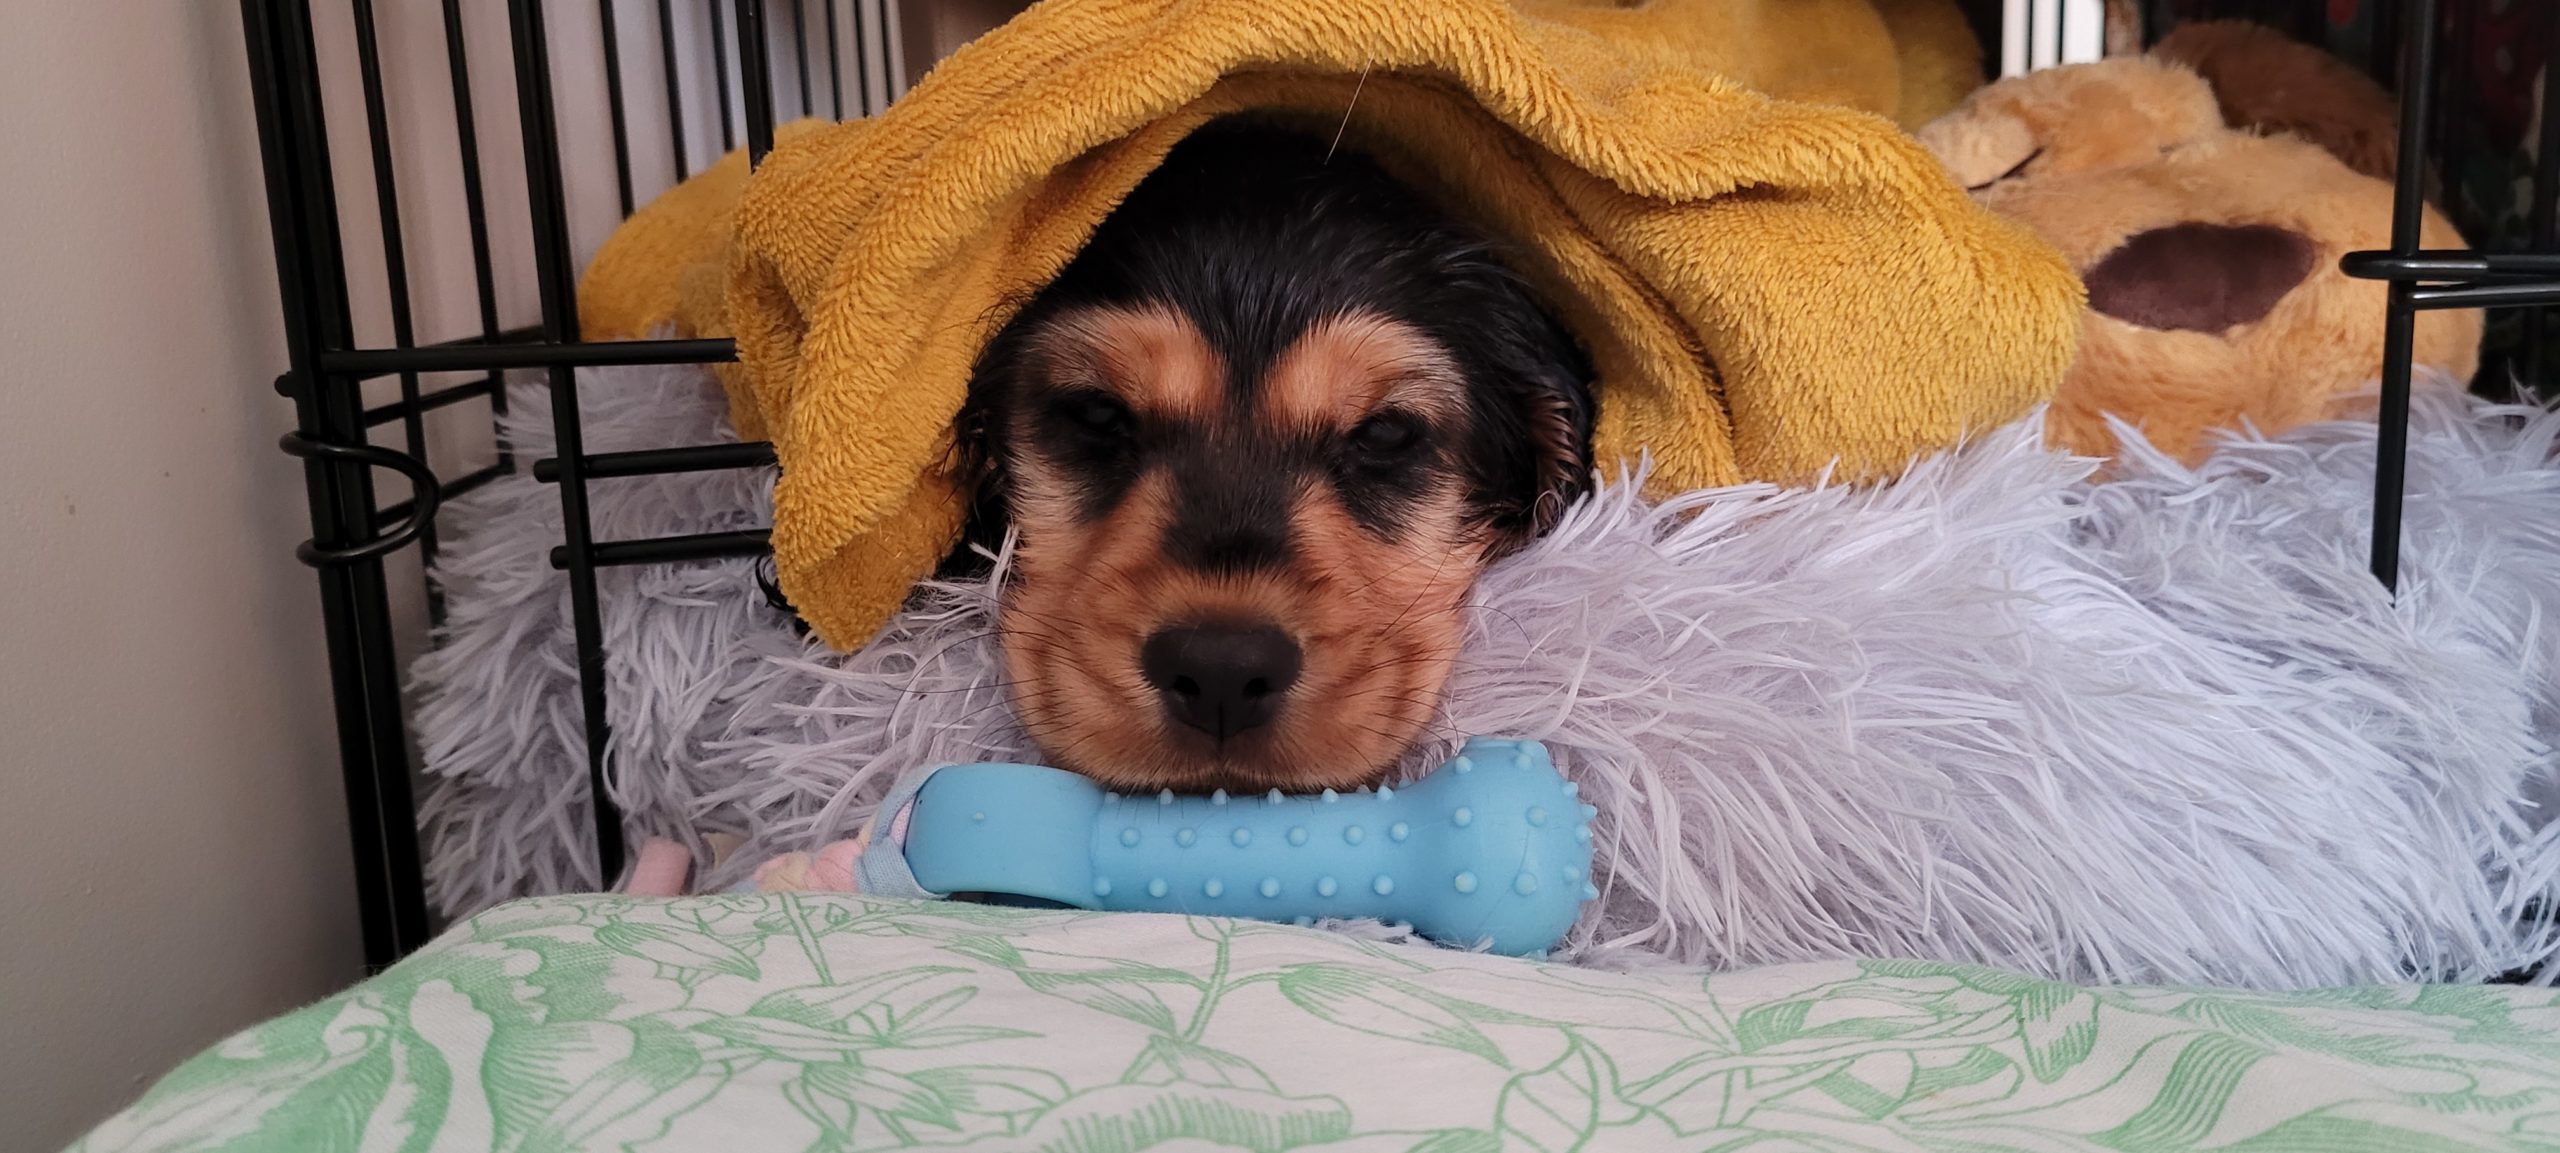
[[1908, 60], [2268, 82], [2210, 253]]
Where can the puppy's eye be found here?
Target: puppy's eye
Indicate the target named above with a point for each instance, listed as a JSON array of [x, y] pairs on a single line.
[[1386, 434], [1095, 414]]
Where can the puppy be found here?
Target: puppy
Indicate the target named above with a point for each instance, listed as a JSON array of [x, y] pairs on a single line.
[[1257, 441]]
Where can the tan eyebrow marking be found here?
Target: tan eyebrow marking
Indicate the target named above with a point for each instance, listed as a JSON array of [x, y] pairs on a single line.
[[1347, 367], [1154, 359]]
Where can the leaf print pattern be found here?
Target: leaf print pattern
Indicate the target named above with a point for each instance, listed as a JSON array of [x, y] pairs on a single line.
[[848, 1024], [1384, 1006], [676, 948], [1563, 1106]]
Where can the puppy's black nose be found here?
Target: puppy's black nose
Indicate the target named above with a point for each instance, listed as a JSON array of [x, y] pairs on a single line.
[[1221, 679]]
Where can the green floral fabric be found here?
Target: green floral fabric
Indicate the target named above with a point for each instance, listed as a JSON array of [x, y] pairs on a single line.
[[841, 1023]]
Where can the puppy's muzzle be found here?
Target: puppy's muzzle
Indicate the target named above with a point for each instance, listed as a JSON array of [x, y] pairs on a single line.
[[1223, 680]]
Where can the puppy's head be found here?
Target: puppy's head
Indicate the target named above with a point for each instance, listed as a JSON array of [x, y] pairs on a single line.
[[1257, 442]]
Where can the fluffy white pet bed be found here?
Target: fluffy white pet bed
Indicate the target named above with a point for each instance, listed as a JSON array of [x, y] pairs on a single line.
[[2165, 729]]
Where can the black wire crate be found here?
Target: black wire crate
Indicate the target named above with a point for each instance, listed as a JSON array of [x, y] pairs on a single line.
[[832, 58], [377, 404]]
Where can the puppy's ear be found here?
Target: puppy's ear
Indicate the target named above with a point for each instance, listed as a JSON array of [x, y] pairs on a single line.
[[1543, 430], [978, 463], [1558, 415]]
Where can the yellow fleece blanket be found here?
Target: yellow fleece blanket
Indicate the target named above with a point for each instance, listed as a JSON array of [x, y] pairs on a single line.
[[1769, 288]]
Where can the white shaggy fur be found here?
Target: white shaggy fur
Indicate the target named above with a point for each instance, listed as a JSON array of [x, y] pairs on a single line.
[[2163, 729]]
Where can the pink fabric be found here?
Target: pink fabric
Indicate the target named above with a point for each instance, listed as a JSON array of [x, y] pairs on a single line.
[[660, 870]]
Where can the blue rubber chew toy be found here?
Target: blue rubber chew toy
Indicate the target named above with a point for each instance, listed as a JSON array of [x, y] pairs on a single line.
[[1493, 847]]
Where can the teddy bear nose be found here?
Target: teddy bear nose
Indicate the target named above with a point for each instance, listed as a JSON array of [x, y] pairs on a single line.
[[1221, 679]]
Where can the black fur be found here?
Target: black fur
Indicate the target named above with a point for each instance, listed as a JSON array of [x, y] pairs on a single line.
[[1256, 233], [1231, 502]]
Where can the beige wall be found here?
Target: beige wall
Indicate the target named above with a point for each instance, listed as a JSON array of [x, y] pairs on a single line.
[[172, 837], [173, 854], [931, 29]]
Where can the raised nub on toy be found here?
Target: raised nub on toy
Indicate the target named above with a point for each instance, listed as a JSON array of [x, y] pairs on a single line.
[[1492, 848]]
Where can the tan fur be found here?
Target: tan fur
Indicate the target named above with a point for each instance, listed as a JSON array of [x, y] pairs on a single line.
[[2083, 118], [2135, 144], [1345, 368], [1378, 623], [1152, 358]]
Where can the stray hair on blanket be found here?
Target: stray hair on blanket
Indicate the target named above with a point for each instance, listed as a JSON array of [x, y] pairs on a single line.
[[2165, 729]]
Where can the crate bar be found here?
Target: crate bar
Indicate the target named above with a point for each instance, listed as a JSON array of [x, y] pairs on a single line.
[[2545, 215], [720, 75], [395, 261], [674, 549], [355, 612], [755, 80], [862, 56], [2044, 34], [2013, 38], [570, 353], [2441, 279], [418, 511], [559, 287], [2381, 48], [835, 61], [675, 94], [2408, 208], [611, 34], [2485, 295], [661, 461], [2084, 31], [475, 203], [2449, 264], [2448, 79], [800, 50], [398, 359], [393, 515], [475, 200]]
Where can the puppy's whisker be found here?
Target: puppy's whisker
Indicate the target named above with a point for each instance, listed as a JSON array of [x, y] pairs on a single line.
[[992, 686], [1347, 110]]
